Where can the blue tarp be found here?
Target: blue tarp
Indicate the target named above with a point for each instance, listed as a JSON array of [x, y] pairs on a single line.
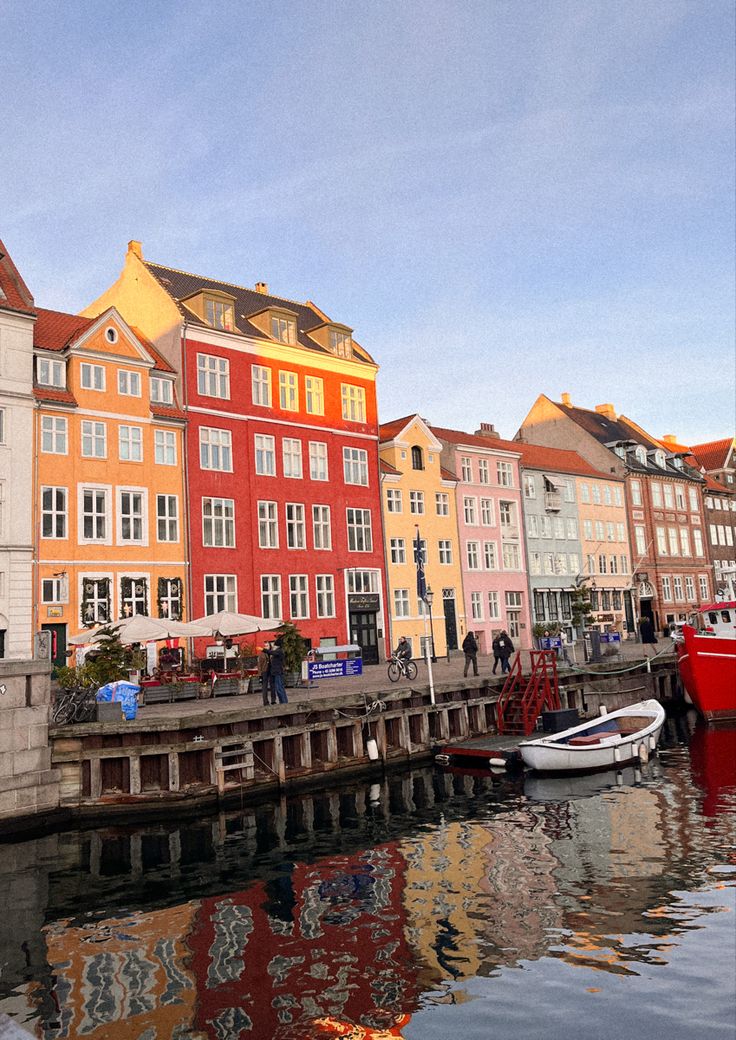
[[123, 691]]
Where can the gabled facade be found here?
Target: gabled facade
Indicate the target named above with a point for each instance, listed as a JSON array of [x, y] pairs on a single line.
[[492, 552], [281, 458], [670, 570], [110, 502], [17, 318], [419, 494]]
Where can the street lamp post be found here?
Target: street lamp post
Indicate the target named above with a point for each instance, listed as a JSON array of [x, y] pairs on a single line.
[[429, 599]]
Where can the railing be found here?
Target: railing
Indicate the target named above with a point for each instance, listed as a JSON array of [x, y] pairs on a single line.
[[519, 706], [552, 501]]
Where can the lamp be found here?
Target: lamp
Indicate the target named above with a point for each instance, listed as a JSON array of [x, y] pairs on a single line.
[[429, 599]]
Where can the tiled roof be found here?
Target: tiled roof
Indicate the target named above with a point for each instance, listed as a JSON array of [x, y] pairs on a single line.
[[712, 454], [14, 293], [181, 285], [473, 439], [557, 460], [387, 431], [160, 364], [54, 394], [715, 485], [55, 330], [167, 411], [447, 474], [386, 467]]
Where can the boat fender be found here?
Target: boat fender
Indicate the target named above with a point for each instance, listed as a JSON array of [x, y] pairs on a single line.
[[442, 760], [619, 777], [652, 742], [372, 749], [643, 754], [617, 754], [497, 763], [603, 709]]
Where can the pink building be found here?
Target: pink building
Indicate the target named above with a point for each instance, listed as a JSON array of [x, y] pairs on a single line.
[[491, 539]]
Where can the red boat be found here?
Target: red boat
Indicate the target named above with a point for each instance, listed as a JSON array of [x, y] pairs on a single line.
[[706, 657]]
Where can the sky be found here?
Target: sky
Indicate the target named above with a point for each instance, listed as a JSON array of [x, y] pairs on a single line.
[[502, 198]]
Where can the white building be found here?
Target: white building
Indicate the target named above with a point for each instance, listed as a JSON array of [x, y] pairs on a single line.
[[17, 463]]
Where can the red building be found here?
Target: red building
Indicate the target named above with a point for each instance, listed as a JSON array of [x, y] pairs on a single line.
[[284, 516]]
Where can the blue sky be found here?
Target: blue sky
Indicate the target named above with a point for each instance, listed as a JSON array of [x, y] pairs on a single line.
[[502, 198]]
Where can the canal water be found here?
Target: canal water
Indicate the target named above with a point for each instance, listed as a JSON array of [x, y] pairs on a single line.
[[429, 905]]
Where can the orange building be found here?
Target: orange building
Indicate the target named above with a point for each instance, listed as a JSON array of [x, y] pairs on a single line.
[[110, 510]]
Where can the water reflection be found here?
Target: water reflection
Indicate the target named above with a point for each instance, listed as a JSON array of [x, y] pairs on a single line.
[[348, 912]]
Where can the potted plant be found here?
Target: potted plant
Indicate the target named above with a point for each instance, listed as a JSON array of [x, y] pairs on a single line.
[[295, 650]]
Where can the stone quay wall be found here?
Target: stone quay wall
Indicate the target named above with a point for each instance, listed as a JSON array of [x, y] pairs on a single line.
[[29, 785]]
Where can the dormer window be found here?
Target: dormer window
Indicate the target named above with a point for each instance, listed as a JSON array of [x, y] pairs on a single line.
[[677, 462], [660, 459], [341, 343], [640, 454], [162, 390], [51, 373], [219, 314], [620, 451], [283, 329]]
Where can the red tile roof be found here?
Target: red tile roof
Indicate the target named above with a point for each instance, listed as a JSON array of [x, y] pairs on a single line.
[[389, 430], [712, 454], [473, 439], [386, 467], [447, 474], [715, 485], [14, 293], [55, 330], [167, 411], [534, 456], [55, 394]]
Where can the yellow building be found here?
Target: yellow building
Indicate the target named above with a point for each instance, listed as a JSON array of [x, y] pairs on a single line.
[[604, 540], [419, 495], [110, 509]]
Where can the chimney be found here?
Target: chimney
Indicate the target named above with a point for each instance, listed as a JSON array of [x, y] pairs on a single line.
[[566, 401], [262, 287], [487, 429], [670, 440], [136, 248], [606, 409]]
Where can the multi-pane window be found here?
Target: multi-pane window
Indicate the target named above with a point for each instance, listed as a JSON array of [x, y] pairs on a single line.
[[466, 469], [530, 487], [219, 314], [535, 563], [472, 555], [635, 487], [574, 562], [341, 343], [505, 474], [218, 522], [545, 527], [590, 563], [397, 549], [548, 563], [355, 466], [610, 532], [595, 489], [92, 377], [620, 533], [532, 525], [641, 540], [674, 541], [572, 527], [588, 529], [95, 600], [559, 527], [661, 541], [220, 593], [289, 391], [291, 455], [94, 514], [490, 560], [677, 586], [703, 586], [600, 531], [325, 586], [507, 517], [685, 541], [698, 541], [167, 518], [131, 516], [607, 494], [318, 460], [51, 373], [476, 606], [442, 503], [353, 403], [296, 536], [401, 603], [669, 500], [133, 596], [283, 329], [692, 495], [260, 385], [360, 535], [679, 496], [602, 563], [393, 500], [270, 596], [162, 391], [469, 511], [94, 439], [314, 395], [265, 455], [624, 565], [164, 443], [656, 493], [487, 512], [493, 606], [213, 376], [169, 598], [483, 473], [268, 525], [129, 383], [321, 527], [445, 550], [511, 557], [53, 590], [570, 491], [689, 588], [618, 497], [416, 501], [298, 596], [53, 512], [215, 449], [130, 443]]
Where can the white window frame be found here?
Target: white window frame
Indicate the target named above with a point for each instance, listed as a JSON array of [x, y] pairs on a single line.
[[122, 493], [416, 503], [470, 510], [260, 386], [359, 529], [164, 448], [167, 518], [271, 596], [106, 491], [296, 525], [321, 527], [213, 376], [472, 555], [265, 450], [215, 449], [291, 458], [288, 391], [397, 550], [220, 593], [353, 402], [319, 468], [57, 511], [268, 524], [161, 390], [50, 372], [129, 383], [218, 518], [444, 548], [442, 503], [54, 432], [324, 586], [298, 597], [96, 434], [90, 374], [505, 474], [130, 446], [314, 395], [394, 500], [355, 466], [402, 606]]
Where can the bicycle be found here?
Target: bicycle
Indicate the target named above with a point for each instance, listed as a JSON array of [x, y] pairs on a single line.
[[76, 704], [398, 666]]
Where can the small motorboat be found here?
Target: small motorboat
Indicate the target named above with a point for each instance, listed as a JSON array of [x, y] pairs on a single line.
[[609, 741]]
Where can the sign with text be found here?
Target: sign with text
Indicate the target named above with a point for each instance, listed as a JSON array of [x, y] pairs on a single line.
[[610, 637], [366, 601], [334, 669]]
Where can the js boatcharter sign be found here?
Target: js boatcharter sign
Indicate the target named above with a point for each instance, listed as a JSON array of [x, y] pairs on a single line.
[[334, 669]]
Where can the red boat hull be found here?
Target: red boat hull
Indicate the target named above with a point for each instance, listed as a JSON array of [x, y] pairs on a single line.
[[707, 666]]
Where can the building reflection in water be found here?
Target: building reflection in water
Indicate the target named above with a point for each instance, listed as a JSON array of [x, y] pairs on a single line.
[[335, 916]]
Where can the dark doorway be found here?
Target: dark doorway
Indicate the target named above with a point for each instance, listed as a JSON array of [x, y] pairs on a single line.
[[448, 603], [58, 644], [645, 609], [629, 612], [364, 632], [2, 642]]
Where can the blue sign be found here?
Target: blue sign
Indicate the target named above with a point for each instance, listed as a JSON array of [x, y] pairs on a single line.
[[550, 643], [610, 637], [334, 669]]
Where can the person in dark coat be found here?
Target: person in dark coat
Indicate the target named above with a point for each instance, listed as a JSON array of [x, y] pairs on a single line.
[[276, 664], [646, 631], [264, 671], [496, 652], [505, 650], [470, 649]]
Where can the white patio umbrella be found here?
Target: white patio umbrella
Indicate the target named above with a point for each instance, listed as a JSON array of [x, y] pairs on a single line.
[[140, 628], [227, 623]]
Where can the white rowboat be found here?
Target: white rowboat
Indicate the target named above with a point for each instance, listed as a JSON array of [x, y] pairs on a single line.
[[612, 739]]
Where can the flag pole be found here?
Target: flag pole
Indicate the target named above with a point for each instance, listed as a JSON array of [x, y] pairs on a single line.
[[422, 595]]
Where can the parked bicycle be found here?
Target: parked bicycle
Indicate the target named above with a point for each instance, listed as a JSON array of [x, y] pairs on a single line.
[[398, 666], [76, 704]]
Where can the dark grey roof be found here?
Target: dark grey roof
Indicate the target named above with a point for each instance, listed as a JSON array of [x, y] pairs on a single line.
[[609, 431], [180, 285]]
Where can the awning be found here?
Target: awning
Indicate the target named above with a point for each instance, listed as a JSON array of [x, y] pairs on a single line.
[[557, 482]]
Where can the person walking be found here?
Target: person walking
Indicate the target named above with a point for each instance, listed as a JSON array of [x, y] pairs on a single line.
[[646, 631], [276, 663], [496, 652], [506, 649], [470, 649], [264, 671]]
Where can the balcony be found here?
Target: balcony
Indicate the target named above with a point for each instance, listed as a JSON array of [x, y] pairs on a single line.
[[552, 501]]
